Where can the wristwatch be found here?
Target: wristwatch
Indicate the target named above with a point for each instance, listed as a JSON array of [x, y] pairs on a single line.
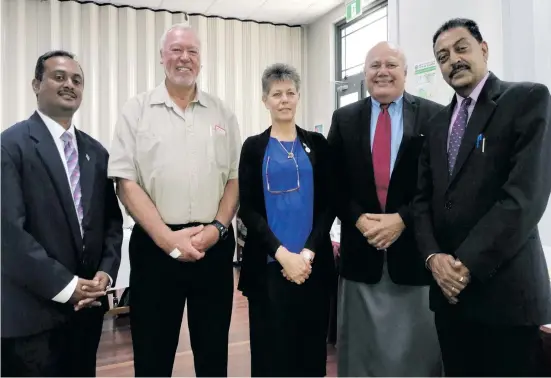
[[223, 230]]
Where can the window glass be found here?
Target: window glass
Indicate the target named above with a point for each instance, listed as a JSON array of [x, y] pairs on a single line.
[[358, 38]]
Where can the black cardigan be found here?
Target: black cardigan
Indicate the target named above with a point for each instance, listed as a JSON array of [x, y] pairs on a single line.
[[261, 241]]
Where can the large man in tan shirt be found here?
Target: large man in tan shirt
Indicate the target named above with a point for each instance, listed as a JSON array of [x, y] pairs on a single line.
[[175, 156]]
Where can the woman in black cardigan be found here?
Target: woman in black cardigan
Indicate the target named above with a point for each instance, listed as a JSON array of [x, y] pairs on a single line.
[[286, 203]]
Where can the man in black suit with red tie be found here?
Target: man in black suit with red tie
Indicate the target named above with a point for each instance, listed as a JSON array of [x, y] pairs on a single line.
[[484, 183], [384, 325], [61, 232]]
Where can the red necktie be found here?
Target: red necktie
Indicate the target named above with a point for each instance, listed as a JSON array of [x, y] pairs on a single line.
[[381, 155]]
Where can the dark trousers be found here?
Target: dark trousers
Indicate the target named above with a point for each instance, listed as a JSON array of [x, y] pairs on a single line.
[[159, 288], [288, 327], [65, 351], [472, 349]]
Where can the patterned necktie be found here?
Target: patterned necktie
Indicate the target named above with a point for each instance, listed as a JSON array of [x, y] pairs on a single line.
[[457, 132], [71, 156], [381, 155]]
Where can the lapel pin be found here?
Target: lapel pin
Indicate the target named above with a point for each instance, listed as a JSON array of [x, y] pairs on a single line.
[[306, 148], [87, 157]]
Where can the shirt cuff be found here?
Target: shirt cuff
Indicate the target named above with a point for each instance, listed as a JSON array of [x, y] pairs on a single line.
[[110, 281], [64, 295], [427, 261], [234, 174], [115, 174]]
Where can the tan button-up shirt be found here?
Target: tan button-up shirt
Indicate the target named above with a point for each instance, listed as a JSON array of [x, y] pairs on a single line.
[[181, 158]]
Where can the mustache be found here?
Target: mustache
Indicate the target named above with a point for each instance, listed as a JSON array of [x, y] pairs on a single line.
[[458, 67]]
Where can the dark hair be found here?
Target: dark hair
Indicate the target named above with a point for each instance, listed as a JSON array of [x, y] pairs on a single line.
[[39, 69], [470, 25]]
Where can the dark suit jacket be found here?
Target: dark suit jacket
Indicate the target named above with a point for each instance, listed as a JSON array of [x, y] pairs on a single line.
[[487, 213], [350, 141], [261, 241], [42, 247]]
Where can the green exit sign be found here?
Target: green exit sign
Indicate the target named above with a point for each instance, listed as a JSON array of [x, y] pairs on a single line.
[[353, 9]]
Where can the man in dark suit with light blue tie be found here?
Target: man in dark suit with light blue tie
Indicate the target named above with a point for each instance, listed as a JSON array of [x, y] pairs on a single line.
[[484, 183], [61, 232]]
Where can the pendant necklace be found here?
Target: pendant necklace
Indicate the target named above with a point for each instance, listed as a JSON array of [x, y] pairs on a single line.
[[290, 155]]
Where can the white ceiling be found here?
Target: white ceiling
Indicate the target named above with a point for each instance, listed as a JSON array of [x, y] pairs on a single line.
[[291, 12]]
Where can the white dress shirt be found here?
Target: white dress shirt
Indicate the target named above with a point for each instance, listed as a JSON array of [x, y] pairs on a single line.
[[57, 131]]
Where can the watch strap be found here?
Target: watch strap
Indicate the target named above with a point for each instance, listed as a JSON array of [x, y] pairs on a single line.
[[223, 230]]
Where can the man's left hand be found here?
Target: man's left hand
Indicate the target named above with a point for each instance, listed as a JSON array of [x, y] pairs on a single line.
[[206, 238], [386, 232], [463, 271], [103, 283]]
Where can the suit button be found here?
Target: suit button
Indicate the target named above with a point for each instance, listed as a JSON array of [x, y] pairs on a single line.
[[449, 205]]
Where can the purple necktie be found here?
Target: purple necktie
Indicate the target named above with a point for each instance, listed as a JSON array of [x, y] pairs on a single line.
[[71, 155], [457, 132]]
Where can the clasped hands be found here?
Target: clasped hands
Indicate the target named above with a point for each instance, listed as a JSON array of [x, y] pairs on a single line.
[[192, 242], [450, 274], [297, 267], [380, 230], [88, 292]]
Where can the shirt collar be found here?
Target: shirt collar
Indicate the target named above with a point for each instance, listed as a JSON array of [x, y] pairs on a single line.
[[55, 128], [476, 91], [393, 105], [160, 96]]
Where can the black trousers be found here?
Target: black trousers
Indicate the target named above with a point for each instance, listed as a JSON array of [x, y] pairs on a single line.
[[471, 349], [65, 351], [288, 327], [159, 288]]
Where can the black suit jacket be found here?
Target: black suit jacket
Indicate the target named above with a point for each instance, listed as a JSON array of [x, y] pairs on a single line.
[[350, 141], [261, 241], [42, 246], [487, 213]]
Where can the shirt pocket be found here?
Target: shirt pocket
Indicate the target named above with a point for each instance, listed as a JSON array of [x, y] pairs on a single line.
[[219, 148]]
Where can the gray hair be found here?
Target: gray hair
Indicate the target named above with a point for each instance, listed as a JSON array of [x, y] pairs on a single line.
[[181, 26], [279, 72]]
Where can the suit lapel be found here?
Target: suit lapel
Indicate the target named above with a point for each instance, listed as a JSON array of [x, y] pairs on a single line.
[[49, 154], [87, 163], [483, 110], [364, 131], [409, 114], [441, 126]]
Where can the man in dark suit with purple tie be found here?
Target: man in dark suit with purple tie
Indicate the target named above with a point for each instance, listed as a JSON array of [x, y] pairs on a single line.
[[61, 232], [484, 183]]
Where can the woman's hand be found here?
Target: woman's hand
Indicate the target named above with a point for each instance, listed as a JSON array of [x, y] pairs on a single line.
[[308, 255], [295, 267]]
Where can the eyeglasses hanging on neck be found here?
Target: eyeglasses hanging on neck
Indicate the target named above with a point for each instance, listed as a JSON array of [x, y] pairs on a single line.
[[294, 188]]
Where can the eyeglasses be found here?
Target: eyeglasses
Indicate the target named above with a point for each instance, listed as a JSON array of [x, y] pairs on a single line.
[[286, 190]]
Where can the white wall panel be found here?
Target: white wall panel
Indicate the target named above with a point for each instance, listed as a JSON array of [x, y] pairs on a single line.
[[118, 49]]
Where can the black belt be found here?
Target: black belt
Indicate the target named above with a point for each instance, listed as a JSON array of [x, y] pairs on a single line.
[[176, 227]]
